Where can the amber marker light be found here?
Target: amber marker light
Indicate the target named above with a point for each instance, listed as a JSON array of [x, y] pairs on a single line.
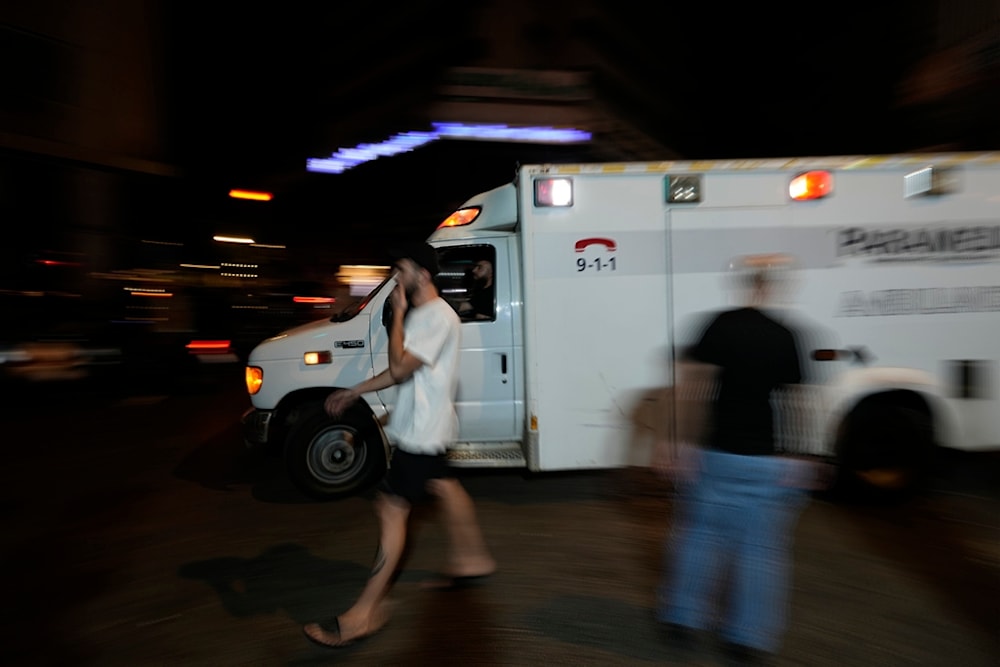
[[461, 217], [252, 195], [317, 358], [254, 378]]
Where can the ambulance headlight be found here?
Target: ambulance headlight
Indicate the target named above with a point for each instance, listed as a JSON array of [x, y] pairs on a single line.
[[553, 192], [254, 376]]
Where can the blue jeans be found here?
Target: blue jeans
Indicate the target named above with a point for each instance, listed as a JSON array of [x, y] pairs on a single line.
[[737, 512]]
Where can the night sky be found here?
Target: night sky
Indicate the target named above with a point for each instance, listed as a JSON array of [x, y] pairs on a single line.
[[252, 95], [255, 93], [247, 94]]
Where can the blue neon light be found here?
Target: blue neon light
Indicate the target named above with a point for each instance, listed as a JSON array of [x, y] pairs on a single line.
[[346, 158]]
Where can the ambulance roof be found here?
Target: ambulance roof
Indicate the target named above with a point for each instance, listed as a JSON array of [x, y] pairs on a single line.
[[891, 161]]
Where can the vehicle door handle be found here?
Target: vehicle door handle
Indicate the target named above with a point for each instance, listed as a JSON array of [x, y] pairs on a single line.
[[503, 367]]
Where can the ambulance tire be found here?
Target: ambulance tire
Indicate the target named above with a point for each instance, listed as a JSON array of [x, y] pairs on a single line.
[[884, 449], [329, 459]]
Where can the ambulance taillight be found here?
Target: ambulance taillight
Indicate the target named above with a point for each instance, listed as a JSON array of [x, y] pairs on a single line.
[[811, 185], [553, 192]]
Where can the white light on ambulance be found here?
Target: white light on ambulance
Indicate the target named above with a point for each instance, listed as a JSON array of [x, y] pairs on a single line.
[[811, 185], [462, 216], [554, 192], [930, 181]]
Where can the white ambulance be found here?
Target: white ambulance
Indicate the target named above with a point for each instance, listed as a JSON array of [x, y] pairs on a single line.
[[601, 272]]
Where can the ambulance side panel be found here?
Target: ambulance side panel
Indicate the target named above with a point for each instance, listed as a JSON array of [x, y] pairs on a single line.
[[597, 340], [874, 272]]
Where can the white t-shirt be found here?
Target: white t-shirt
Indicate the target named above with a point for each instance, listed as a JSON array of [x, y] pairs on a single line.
[[424, 420]]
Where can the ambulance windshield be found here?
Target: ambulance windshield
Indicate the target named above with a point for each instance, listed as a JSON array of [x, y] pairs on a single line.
[[356, 307]]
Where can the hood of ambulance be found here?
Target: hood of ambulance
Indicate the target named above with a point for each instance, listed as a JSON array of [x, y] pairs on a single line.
[[314, 337]]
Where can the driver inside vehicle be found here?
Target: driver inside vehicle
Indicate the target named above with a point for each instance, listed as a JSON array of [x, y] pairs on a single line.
[[480, 303]]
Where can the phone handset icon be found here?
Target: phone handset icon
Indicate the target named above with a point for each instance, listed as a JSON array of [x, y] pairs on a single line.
[[609, 244]]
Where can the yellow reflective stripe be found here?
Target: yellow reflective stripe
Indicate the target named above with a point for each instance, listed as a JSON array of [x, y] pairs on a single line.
[[776, 164]]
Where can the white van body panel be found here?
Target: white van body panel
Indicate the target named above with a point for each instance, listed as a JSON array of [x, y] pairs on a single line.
[[593, 300]]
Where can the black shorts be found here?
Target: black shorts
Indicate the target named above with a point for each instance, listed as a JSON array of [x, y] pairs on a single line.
[[408, 474]]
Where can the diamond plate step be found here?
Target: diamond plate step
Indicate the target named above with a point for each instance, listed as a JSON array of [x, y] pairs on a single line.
[[487, 455]]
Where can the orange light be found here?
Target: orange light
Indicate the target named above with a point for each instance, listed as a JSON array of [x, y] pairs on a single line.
[[158, 295], [254, 379], [316, 358], [313, 299], [251, 194], [462, 216], [208, 345], [811, 185]]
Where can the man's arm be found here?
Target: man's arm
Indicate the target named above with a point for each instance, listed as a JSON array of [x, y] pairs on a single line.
[[341, 399], [675, 451], [402, 364]]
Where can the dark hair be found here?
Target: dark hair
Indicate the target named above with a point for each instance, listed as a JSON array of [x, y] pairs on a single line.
[[421, 254]]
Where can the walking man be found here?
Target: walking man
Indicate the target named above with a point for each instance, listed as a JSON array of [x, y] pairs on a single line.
[[423, 361], [738, 499]]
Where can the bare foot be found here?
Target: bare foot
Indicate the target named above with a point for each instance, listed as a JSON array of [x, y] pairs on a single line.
[[472, 567], [347, 629]]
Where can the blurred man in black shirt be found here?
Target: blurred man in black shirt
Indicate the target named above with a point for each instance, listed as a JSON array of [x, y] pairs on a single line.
[[739, 500]]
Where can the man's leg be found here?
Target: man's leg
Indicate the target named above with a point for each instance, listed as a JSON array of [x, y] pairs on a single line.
[[468, 555], [763, 563], [693, 556], [369, 613]]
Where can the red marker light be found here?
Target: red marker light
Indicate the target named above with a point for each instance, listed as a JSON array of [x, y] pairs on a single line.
[[208, 345], [313, 299], [811, 185], [56, 262]]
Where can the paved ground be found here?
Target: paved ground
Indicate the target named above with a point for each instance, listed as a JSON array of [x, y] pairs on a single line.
[[139, 532]]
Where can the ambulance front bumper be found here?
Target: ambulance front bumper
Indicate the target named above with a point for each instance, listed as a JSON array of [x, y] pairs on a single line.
[[256, 426]]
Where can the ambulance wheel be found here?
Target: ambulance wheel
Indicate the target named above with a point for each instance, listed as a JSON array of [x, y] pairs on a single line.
[[884, 448], [329, 458]]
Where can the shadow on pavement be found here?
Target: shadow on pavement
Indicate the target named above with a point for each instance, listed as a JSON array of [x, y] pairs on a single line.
[[967, 580], [285, 578], [224, 463]]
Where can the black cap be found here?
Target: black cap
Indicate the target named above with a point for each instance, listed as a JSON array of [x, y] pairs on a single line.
[[421, 254]]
